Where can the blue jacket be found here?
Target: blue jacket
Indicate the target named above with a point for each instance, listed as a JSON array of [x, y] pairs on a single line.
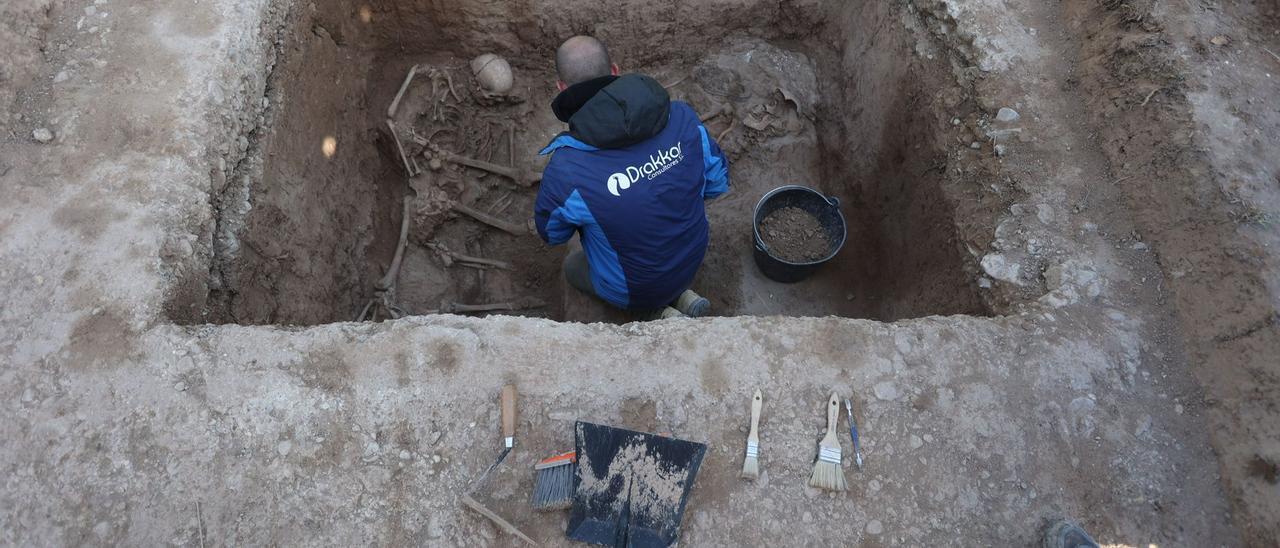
[[630, 176]]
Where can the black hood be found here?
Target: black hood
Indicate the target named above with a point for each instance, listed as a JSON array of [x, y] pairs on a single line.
[[614, 111]]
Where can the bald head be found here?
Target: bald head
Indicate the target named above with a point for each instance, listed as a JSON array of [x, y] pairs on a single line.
[[582, 58]]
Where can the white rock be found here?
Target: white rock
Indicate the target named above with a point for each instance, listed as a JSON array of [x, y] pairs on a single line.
[[916, 442], [1001, 150], [874, 527], [975, 145], [371, 449], [61, 77], [885, 391], [42, 135], [874, 485], [1001, 268], [1007, 114], [807, 517], [404, 454], [284, 447], [180, 386]]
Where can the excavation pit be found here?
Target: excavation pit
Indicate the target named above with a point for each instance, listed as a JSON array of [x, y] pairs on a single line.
[[822, 95]]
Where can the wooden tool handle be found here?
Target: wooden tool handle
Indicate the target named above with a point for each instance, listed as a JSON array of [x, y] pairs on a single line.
[[833, 413], [757, 402], [509, 414]]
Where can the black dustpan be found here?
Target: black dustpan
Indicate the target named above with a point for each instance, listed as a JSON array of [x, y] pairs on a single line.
[[631, 487]]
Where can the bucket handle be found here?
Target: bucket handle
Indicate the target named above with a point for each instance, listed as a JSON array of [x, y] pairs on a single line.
[[834, 201]]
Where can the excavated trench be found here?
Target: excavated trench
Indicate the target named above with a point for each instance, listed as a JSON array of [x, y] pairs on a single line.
[[823, 95]]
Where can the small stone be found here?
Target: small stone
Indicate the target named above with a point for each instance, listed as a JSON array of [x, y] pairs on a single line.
[[807, 517], [874, 485], [885, 391], [180, 386], [90, 10], [1007, 114], [97, 311], [435, 458], [284, 447], [28, 395], [405, 454], [61, 77], [433, 527], [1178, 409], [916, 442], [975, 145], [1044, 212], [955, 121], [874, 527], [1001, 150], [371, 449], [42, 135], [984, 282], [928, 438]]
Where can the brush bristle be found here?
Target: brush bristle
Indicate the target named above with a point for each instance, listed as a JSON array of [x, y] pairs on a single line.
[[751, 462], [828, 473], [553, 488], [829, 476], [751, 468]]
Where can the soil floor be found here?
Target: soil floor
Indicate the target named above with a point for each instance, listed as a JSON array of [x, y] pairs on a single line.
[[1060, 296]]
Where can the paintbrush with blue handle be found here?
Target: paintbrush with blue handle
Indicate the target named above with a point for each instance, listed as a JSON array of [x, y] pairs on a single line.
[[853, 433]]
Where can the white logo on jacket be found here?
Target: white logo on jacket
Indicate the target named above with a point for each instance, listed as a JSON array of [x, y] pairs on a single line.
[[658, 164]]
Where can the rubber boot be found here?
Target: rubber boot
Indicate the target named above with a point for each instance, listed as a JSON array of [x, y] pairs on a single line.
[[1065, 534], [669, 312], [692, 304]]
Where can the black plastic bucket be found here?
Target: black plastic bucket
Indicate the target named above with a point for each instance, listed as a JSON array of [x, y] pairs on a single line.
[[825, 208]]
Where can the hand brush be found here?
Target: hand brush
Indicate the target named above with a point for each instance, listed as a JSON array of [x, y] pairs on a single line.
[[553, 486], [827, 470], [751, 463]]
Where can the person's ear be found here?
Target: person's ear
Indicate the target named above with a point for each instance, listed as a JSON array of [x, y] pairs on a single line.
[[560, 85], [614, 68]]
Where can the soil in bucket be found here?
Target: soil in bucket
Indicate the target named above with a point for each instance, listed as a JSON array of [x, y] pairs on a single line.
[[794, 235]]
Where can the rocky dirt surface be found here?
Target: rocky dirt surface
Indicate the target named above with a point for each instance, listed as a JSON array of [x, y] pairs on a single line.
[[1103, 174]]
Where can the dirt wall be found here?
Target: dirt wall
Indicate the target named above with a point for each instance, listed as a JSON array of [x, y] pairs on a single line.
[[1213, 265]]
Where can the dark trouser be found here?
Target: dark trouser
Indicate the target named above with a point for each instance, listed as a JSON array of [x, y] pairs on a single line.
[[578, 273]]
